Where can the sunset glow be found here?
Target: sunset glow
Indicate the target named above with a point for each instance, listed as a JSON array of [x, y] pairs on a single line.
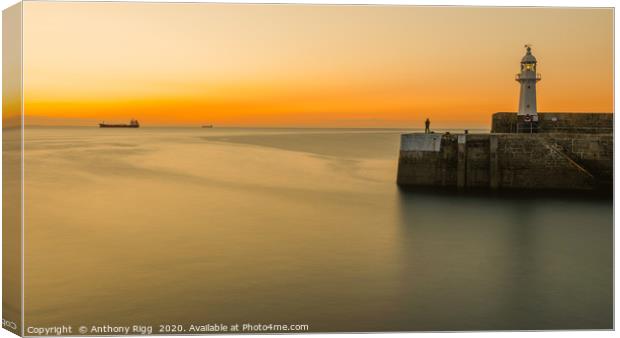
[[306, 65]]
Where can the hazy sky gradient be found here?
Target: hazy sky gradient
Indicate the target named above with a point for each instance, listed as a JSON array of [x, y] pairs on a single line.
[[307, 65]]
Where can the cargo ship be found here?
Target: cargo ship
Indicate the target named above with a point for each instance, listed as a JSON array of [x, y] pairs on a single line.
[[132, 124]]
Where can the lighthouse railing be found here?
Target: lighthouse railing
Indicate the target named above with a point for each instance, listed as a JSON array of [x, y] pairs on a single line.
[[536, 77]]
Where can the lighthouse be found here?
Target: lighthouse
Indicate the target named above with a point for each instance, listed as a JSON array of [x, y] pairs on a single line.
[[528, 78]]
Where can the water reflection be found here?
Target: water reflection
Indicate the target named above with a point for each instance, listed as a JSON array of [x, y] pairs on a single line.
[[506, 262], [184, 226]]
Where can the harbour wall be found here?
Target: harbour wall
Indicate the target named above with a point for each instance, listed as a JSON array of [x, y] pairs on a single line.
[[591, 123], [554, 161]]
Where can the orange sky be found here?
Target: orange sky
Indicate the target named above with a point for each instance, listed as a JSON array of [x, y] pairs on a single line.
[[306, 65]]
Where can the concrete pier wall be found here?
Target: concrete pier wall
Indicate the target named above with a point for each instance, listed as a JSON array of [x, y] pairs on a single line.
[[588, 123], [507, 161]]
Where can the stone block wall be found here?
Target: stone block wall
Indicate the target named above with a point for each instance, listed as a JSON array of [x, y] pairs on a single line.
[[504, 123], [428, 168], [557, 161], [587, 123]]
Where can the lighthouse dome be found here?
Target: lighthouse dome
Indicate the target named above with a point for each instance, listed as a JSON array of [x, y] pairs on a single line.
[[528, 57]]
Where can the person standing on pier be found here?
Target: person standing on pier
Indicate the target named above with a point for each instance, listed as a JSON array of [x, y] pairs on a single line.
[[427, 125]]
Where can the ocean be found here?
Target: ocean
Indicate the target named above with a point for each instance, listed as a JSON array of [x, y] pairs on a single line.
[[173, 227]]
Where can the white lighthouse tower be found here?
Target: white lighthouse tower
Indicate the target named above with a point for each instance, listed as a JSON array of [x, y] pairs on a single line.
[[528, 78]]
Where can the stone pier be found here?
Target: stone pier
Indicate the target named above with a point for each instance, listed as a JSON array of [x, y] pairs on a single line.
[[554, 161]]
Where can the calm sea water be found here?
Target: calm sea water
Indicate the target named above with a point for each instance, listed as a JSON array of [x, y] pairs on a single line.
[[301, 226]]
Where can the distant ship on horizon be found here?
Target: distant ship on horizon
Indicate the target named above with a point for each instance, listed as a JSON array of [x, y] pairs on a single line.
[[132, 124], [207, 126]]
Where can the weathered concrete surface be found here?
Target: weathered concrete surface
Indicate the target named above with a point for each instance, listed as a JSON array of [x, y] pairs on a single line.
[[422, 142], [587, 123], [510, 161]]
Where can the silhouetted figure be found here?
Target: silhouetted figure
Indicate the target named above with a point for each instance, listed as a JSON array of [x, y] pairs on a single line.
[[427, 125]]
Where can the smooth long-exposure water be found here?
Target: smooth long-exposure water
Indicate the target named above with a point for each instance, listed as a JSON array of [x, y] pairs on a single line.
[[294, 226]]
